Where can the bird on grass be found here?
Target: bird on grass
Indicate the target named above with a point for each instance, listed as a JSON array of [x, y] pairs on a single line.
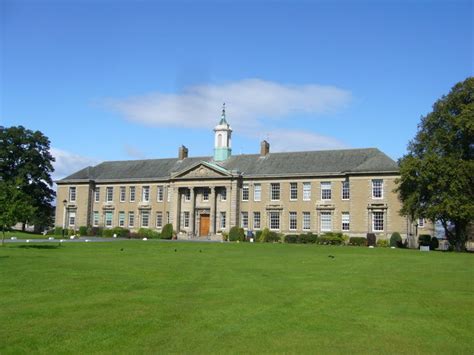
[[121, 249], [331, 256], [200, 250], [175, 250]]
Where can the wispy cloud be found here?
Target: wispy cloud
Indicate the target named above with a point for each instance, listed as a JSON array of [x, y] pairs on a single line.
[[67, 163], [250, 102], [291, 141]]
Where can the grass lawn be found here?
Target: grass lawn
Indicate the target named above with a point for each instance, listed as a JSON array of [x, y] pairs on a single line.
[[26, 235], [237, 298]]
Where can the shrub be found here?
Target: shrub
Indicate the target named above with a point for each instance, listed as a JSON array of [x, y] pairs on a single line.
[[382, 243], [225, 236], [402, 244], [98, 231], [82, 231], [236, 234], [291, 238], [258, 234], [358, 241], [434, 243], [134, 235], [269, 236], [395, 239], [308, 238], [107, 233], [58, 231], [71, 232], [121, 232], [148, 233], [167, 231], [331, 239], [424, 240], [371, 239]]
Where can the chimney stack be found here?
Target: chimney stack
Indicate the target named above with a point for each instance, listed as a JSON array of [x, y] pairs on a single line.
[[264, 148], [183, 152]]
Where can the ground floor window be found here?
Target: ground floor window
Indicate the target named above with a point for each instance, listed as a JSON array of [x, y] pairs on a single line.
[[95, 219], [223, 220], [186, 219], [131, 219], [72, 219], [108, 218], [159, 219], [293, 221], [145, 219], [245, 219], [306, 221], [421, 222], [274, 220], [121, 219], [326, 221], [377, 221], [256, 220], [345, 220]]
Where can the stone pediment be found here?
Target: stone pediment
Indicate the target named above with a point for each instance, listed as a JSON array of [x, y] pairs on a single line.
[[202, 170]]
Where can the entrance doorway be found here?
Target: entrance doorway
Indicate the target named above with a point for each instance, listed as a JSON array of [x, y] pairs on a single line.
[[204, 225]]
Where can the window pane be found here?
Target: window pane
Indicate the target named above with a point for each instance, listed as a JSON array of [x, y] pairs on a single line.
[[306, 220], [377, 188], [345, 190], [293, 221], [325, 191], [293, 191], [306, 191], [275, 191], [326, 221], [256, 220], [377, 221], [257, 192], [345, 221]]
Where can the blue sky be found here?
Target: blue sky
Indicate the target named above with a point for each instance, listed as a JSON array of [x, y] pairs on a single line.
[[113, 80]]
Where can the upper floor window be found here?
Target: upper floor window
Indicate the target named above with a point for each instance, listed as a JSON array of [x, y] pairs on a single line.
[[187, 195], [306, 191], [224, 195], [145, 193], [169, 191], [421, 222], [132, 193], [122, 193], [325, 190], [293, 191], [245, 192], [345, 190], [377, 188], [97, 194], [257, 192], [205, 195], [160, 193], [109, 196], [275, 192], [72, 194]]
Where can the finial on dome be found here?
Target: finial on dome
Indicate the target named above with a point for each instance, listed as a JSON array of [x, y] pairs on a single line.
[[223, 120]]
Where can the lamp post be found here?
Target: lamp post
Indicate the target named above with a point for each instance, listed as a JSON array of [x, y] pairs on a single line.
[[64, 216]]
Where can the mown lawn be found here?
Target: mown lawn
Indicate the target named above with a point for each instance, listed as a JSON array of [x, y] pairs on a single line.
[[26, 235], [149, 297]]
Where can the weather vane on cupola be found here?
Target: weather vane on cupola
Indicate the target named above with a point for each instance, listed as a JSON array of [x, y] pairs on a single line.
[[223, 120]]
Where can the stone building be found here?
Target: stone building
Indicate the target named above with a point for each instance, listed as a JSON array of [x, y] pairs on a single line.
[[349, 191]]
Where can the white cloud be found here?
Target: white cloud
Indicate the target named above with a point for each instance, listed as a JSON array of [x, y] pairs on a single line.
[[294, 140], [250, 103], [67, 163]]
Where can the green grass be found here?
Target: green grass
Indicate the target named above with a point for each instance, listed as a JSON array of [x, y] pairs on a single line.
[[233, 298], [26, 235]]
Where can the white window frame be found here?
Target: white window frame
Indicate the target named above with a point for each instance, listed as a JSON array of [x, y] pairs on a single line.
[[245, 192], [187, 195], [123, 193], [293, 221], [244, 219], [222, 220], [160, 193], [274, 221], [169, 191], [345, 221], [306, 221], [97, 194], [186, 219], [376, 222], [275, 193], [306, 191], [72, 193], [72, 218], [133, 193], [121, 219], [95, 219], [293, 191], [145, 193], [345, 190], [159, 219], [109, 194], [108, 222], [223, 194], [257, 220], [325, 187], [257, 192], [377, 188], [131, 219], [142, 218], [325, 224]]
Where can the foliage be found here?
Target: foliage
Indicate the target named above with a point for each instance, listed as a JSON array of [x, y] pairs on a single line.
[[291, 238], [395, 239], [258, 234], [424, 240], [95, 231], [26, 161], [236, 234], [437, 174], [15, 206], [371, 239], [382, 243], [269, 236], [358, 241], [225, 236], [308, 238], [83, 231], [331, 238], [167, 231], [434, 243], [58, 231], [148, 233]]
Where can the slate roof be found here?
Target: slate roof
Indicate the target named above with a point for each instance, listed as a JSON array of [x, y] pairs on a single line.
[[324, 162]]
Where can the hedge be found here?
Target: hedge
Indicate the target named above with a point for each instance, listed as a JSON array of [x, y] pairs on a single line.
[[331, 239], [358, 241], [167, 231], [424, 240], [269, 236], [236, 234], [395, 239]]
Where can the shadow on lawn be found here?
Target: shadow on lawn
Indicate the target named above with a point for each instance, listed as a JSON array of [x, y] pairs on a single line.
[[37, 246]]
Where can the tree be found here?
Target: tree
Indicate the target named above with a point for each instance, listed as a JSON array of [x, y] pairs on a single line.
[[25, 160], [15, 206], [437, 174]]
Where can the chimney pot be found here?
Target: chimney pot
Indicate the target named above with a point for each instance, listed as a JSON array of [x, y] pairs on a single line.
[[183, 152], [264, 148]]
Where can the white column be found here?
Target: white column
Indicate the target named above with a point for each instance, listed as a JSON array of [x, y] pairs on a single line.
[[213, 210]]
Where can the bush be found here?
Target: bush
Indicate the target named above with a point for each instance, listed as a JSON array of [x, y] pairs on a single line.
[[225, 236], [434, 243], [424, 240], [71, 232], [382, 243], [148, 233], [134, 235], [167, 231], [107, 233], [291, 238], [82, 231], [121, 232], [97, 231], [402, 244], [236, 234], [331, 239], [269, 236], [308, 238], [371, 239], [58, 231], [358, 241], [258, 234], [395, 239]]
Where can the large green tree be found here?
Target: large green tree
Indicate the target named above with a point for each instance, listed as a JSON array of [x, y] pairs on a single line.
[[437, 174], [25, 160]]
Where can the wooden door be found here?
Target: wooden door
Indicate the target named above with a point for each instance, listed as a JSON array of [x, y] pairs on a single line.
[[204, 225]]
